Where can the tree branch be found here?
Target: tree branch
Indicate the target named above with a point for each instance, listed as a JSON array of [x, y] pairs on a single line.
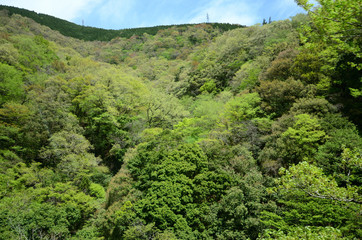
[[318, 195]]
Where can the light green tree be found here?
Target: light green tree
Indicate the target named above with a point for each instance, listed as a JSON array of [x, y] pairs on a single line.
[[302, 139], [311, 180], [335, 31]]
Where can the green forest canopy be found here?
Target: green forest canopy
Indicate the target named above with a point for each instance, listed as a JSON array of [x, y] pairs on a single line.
[[185, 132]]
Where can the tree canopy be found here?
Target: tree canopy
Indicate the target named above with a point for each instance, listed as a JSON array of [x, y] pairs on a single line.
[[206, 131]]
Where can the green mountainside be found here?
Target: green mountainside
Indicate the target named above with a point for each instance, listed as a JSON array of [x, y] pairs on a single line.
[[182, 132], [90, 33]]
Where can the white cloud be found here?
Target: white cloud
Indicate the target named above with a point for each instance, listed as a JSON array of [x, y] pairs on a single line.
[[65, 9], [226, 11]]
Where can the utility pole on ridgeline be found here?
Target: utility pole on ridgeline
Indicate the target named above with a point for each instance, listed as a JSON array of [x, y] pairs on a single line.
[[207, 18]]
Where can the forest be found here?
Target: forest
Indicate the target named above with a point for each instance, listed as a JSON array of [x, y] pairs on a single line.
[[195, 131], [91, 33]]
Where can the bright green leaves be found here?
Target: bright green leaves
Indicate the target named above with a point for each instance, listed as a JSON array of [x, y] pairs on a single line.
[[352, 166], [311, 180], [335, 36], [69, 152], [42, 208], [35, 53], [160, 165], [309, 198], [162, 110], [248, 74], [28, 219], [94, 100], [12, 117], [175, 183], [189, 168], [305, 134], [307, 184], [337, 22], [311, 233], [206, 112], [11, 84], [341, 134], [100, 114], [209, 87], [301, 140], [192, 195], [21, 177], [190, 153], [294, 138], [243, 107], [96, 190], [163, 203], [191, 129]]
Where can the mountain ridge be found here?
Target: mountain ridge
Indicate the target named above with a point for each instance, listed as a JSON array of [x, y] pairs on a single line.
[[88, 33]]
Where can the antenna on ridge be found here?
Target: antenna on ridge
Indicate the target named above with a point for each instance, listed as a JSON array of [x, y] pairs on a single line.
[[83, 22], [207, 18]]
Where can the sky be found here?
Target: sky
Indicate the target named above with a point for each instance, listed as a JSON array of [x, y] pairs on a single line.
[[120, 14]]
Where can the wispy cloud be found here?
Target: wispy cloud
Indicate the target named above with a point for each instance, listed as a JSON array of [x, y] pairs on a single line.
[[65, 9]]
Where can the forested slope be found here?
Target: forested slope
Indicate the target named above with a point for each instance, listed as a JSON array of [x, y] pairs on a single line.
[[91, 33], [190, 133]]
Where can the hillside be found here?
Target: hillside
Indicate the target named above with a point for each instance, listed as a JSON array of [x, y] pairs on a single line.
[[184, 132], [90, 33]]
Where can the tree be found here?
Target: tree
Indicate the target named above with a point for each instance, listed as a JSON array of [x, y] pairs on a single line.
[[337, 29], [100, 115], [330, 155], [311, 180], [280, 68], [248, 74], [302, 139], [50, 114], [162, 110], [243, 107], [177, 185], [13, 116], [337, 22], [278, 96], [317, 107], [11, 84], [69, 152], [307, 198]]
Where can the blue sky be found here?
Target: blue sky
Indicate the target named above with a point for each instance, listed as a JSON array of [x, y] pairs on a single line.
[[119, 14]]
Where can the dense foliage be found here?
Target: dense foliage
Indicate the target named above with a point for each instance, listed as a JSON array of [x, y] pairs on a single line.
[[192, 132]]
